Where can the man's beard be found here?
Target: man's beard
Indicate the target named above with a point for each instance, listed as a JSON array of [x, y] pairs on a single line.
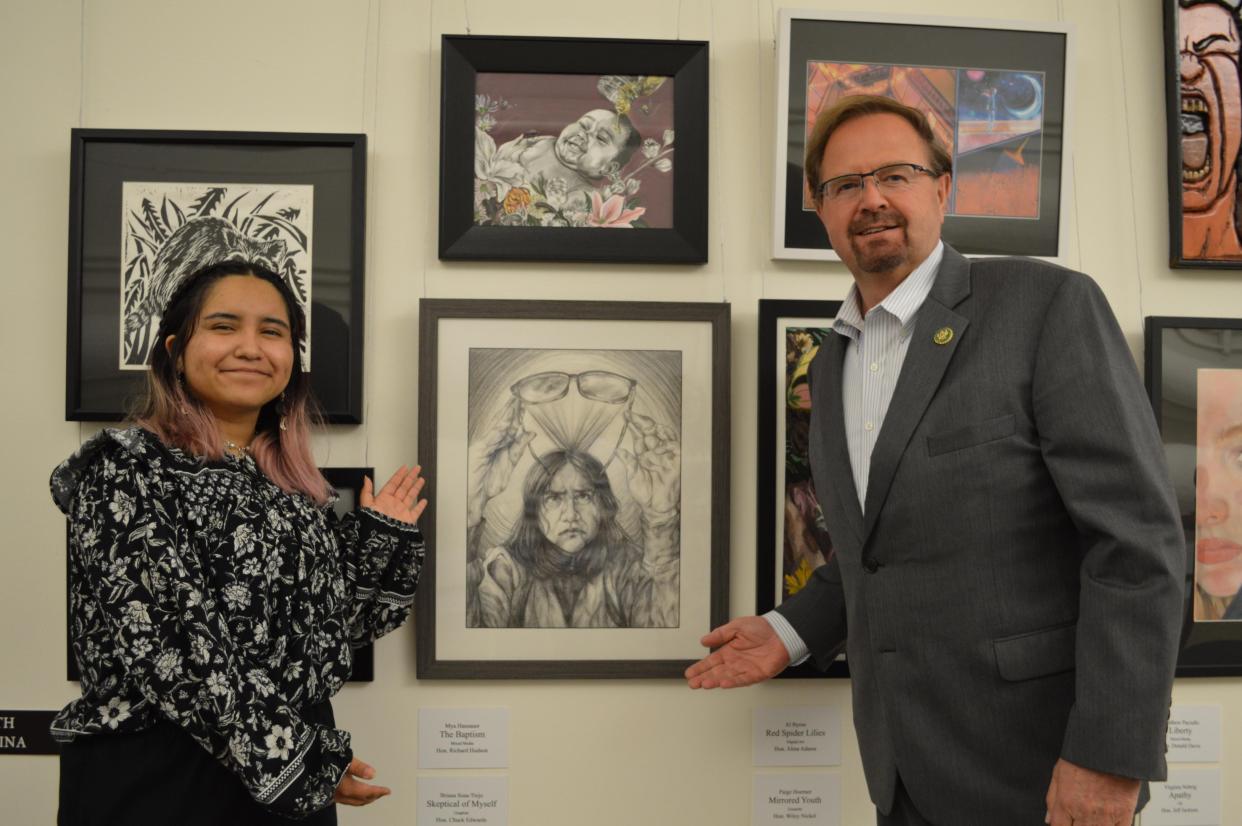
[[878, 261]]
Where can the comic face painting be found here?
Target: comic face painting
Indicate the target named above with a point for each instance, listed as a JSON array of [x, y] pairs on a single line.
[[1210, 127]]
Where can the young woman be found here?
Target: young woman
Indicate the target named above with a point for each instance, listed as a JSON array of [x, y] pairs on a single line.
[[215, 597]]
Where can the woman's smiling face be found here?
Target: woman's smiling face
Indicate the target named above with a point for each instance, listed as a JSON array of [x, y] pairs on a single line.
[[240, 355]]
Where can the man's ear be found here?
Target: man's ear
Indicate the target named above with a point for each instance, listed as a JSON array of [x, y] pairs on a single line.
[[943, 184]]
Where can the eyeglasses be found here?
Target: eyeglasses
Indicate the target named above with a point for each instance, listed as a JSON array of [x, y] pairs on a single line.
[[575, 430], [597, 385], [896, 177]]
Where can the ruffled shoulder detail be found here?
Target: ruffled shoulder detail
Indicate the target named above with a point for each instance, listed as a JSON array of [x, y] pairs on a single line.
[[133, 445]]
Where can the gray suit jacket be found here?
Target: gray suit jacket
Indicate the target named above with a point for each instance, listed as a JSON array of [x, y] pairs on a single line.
[[1014, 592]]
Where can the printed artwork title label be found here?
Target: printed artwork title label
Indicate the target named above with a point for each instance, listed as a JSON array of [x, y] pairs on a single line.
[[802, 736], [463, 738], [479, 801], [1190, 797], [812, 799], [1193, 735]]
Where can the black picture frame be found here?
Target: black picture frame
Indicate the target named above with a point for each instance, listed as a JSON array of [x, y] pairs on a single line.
[[104, 161], [1176, 349], [781, 454], [348, 484], [960, 44], [1212, 108], [448, 330], [463, 57]]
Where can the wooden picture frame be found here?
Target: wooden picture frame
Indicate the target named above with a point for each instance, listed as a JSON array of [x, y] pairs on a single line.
[[567, 440]]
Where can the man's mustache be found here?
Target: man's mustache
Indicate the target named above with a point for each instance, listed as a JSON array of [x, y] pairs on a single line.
[[876, 219]]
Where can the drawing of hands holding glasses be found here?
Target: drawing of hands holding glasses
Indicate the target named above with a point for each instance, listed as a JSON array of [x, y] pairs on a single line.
[[568, 529], [653, 468], [574, 422], [492, 458]]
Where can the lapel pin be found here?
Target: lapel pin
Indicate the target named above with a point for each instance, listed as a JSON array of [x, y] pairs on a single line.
[[943, 336]]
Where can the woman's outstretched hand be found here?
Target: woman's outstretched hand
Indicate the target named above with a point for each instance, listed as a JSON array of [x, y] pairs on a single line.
[[353, 792], [398, 498]]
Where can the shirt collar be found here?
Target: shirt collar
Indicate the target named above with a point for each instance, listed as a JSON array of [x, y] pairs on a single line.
[[902, 303]]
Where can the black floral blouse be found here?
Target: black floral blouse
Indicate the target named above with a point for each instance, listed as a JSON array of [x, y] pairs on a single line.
[[203, 594]]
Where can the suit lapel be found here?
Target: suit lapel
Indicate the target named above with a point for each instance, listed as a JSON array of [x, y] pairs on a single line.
[[926, 361], [840, 475]]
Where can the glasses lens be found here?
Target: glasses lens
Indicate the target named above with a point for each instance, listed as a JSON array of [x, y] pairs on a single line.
[[844, 187], [542, 387], [602, 386], [897, 176]]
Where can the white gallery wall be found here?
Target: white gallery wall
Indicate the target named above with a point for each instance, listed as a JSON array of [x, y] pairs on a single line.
[[602, 752]]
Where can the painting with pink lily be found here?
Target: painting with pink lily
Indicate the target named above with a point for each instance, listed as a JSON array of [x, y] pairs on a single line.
[[573, 150]]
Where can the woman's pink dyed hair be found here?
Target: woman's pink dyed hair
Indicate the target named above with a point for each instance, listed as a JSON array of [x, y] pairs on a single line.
[[172, 413]]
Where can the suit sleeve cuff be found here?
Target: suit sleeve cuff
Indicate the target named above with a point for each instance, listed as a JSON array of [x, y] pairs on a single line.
[[798, 651]]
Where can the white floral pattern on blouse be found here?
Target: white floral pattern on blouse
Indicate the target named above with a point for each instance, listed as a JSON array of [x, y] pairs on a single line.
[[203, 594]]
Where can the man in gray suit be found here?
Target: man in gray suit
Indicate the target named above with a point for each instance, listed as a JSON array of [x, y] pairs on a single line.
[[1008, 568]]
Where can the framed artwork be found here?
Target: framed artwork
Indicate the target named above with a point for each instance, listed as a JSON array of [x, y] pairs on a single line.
[[995, 94], [1204, 122], [580, 452], [147, 208], [348, 484], [1194, 377], [550, 146], [791, 538]]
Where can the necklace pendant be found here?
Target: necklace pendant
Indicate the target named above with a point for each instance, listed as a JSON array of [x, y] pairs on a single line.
[[235, 450]]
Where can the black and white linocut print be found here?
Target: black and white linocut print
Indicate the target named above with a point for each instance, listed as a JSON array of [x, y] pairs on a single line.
[[573, 488], [169, 230]]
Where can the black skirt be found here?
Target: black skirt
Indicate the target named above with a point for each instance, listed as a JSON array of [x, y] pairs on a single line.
[[161, 776]]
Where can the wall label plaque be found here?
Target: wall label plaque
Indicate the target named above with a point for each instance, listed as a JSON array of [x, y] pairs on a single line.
[[26, 732]]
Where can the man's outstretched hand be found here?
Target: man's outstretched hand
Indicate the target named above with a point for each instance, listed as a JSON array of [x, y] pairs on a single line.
[[747, 651]]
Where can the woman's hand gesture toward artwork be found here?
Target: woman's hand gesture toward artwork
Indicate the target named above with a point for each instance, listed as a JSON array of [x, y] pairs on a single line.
[[352, 791], [492, 458], [653, 468], [398, 498]]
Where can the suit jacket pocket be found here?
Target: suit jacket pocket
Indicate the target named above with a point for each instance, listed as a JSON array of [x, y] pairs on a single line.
[[1034, 654], [988, 430]]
